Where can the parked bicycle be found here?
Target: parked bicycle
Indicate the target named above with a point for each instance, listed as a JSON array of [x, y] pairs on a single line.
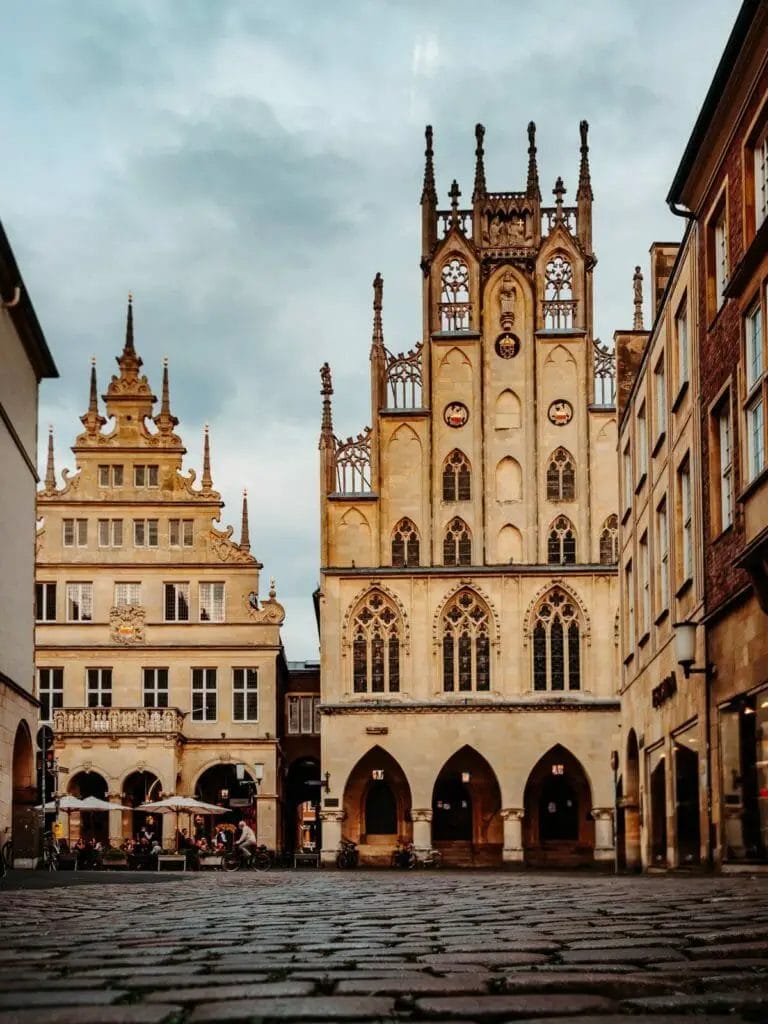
[[348, 855], [6, 851], [429, 859], [404, 856], [237, 860]]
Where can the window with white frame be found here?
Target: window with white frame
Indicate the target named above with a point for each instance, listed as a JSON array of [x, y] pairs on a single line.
[[145, 533], [180, 533], [75, 532], [660, 386], [626, 459], [155, 685], [681, 340], [245, 695], [642, 444], [645, 586], [110, 476], [146, 476], [753, 325], [629, 603], [755, 437], [50, 691], [720, 256], [176, 602], [99, 687], [127, 594], [79, 602], [761, 177], [303, 714], [211, 602], [755, 378], [204, 695], [662, 541], [686, 520], [110, 533], [45, 602], [725, 463]]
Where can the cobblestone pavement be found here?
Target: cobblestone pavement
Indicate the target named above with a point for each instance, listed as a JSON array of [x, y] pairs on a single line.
[[387, 946]]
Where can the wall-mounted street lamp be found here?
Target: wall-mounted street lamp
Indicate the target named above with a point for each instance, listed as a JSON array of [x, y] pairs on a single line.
[[685, 649], [258, 775]]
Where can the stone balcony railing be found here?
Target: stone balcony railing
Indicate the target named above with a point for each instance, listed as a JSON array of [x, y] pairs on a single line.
[[116, 721]]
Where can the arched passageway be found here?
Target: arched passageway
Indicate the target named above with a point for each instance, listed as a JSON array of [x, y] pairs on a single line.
[[142, 787], [466, 811], [377, 805], [631, 805], [220, 785], [558, 826], [89, 824], [24, 818], [657, 770], [302, 798], [687, 819]]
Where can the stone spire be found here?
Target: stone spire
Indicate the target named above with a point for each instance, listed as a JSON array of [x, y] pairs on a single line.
[[128, 347], [637, 290], [428, 191], [92, 420], [558, 192], [585, 181], [50, 467], [245, 537], [206, 481], [165, 421], [378, 293], [327, 443], [480, 187], [533, 190], [326, 390]]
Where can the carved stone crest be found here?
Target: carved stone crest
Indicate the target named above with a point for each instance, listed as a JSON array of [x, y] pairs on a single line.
[[127, 625]]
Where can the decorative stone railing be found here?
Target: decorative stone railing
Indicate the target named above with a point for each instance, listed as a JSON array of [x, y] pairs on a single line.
[[116, 721]]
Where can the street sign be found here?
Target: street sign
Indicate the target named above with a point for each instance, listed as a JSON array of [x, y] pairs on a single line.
[[239, 801]]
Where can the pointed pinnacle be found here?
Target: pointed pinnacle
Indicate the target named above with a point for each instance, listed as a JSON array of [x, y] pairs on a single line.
[[428, 191], [245, 538], [50, 469], [480, 187], [378, 294], [206, 481], [326, 391], [585, 181], [93, 399], [533, 169], [637, 289], [128, 348]]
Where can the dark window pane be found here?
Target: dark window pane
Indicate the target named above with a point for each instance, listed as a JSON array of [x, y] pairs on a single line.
[[413, 550], [449, 484], [238, 704], [170, 602], [553, 549], [553, 482], [539, 657], [398, 550], [569, 481], [448, 680], [465, 662], [464, 483], [449, 550], [394, 664], [556, 655], [252, 703], [377, 665], [482, 654], [465, 549], [569, 548], [574, 658], [359, 665]]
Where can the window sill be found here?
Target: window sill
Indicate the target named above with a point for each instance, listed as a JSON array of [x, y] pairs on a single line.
[[659, 442], [644, 639], [629, 658], [641, 482], [723, 533], [684, 587], [754, 484], [681, 392], [663, 614], [627, 513]]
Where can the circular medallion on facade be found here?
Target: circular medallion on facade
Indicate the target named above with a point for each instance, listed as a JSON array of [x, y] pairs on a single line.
[[560, 412], [456, 414], [507, 345]]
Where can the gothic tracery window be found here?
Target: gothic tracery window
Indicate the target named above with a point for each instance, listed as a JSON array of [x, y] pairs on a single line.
[[376, 635], [561, 542], [454, 296], [466, 643], [404, 379], [556, 644], [561, 476], [405, 544], [457, 544], [457, 477], [559, 304], [609, 541]]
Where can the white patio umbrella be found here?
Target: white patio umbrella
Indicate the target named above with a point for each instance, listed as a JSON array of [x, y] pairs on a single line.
[[66, 803], [181, 805]]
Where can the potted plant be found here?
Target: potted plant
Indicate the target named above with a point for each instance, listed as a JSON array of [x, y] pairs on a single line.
[[114, 857]]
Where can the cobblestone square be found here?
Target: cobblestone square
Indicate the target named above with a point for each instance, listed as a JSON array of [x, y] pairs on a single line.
[[329, 946]]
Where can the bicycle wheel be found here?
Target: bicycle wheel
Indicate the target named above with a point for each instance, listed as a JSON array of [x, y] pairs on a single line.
[[261, 861], [230, 861], [7, 853]]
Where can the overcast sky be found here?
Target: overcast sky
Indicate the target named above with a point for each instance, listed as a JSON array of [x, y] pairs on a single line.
[[245, 167]]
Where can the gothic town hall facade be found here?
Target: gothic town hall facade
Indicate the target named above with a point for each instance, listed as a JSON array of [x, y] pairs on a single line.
[[468, 598]]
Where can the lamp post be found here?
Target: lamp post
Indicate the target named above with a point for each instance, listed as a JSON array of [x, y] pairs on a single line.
[[685, 656]]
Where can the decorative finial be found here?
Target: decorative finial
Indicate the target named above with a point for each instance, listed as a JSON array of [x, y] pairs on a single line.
[[326, 391], [92, 421], [272, 588], [165, 421], [558, 192], [378, 292], [585, 181], [50, 469], [245, 538], [128, 348], [206, 481], [637, 289], [428, 191], [454, 195], [533, 171], [480, 187]]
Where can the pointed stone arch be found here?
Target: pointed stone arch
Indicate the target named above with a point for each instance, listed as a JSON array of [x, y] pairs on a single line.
[[466, 584], [558, 830], [377, 804], [358, 601], [466, 809], [509, 480], [541, 593], [455, 367], [607, 433], [354, 538], [510, 544], [508, 411], [559, 356]]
